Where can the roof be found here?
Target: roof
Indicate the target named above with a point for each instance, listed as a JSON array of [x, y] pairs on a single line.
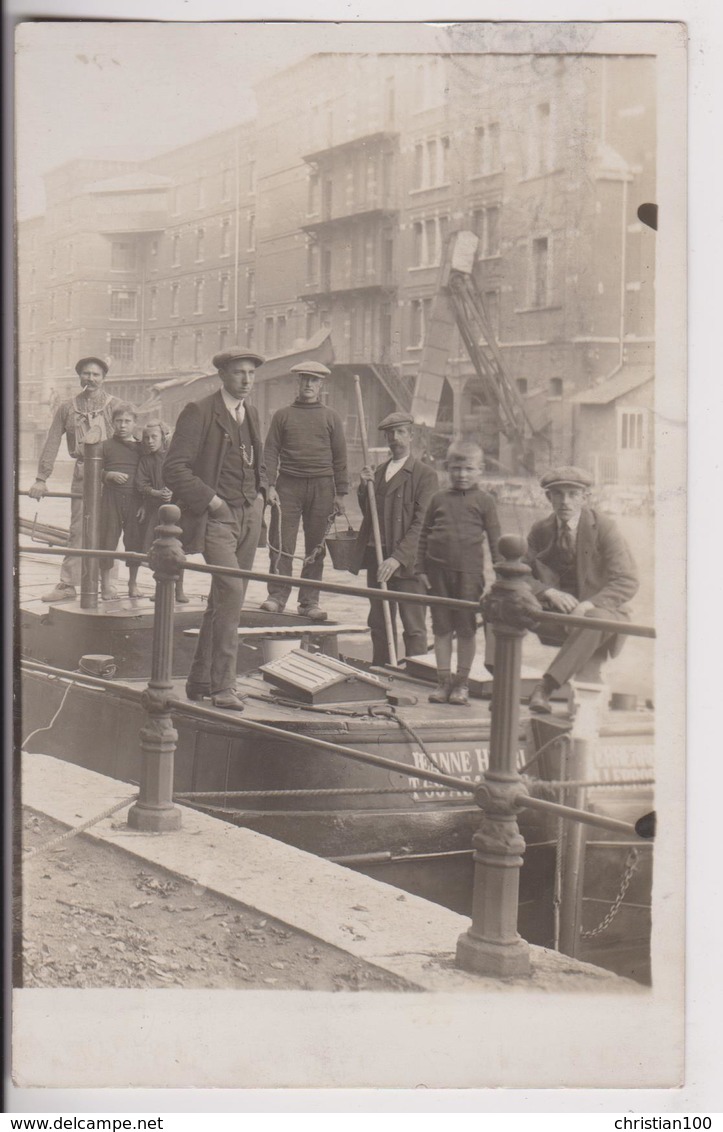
[[131, 182], [624, 381]]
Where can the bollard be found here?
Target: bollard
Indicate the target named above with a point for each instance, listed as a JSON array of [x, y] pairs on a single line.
[[89, 568], [154, 812], [491, 945], [589, 701]]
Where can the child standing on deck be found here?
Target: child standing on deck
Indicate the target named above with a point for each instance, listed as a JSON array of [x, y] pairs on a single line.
[[120, 456], [150, 488], [450, 563]]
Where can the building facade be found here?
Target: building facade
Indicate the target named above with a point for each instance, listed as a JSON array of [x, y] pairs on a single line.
[[331, 209]]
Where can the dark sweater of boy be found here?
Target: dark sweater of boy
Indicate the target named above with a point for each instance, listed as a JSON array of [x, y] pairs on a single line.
[[454, 530], [120, 456], [307, 440]]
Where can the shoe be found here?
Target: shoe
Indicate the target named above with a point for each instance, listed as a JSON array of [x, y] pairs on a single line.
[[271, 606], [197, 691], [62, 592], [459, 694], [228, 701], [440, 695], [182, 599], [313, 612], [540, 700]]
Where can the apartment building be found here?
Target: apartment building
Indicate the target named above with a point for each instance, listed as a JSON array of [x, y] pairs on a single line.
[[331, 210]]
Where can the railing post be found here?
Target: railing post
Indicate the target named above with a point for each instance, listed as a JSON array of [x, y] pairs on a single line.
[[492, 946], [589, 704], [154, 812], [89, 567]]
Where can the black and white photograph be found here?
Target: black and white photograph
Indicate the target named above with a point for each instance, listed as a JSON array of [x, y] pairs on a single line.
[[350, 459]]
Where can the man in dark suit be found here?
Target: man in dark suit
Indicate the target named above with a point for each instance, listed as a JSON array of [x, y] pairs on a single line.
[[215, 470], [403, 487], [581, 565]]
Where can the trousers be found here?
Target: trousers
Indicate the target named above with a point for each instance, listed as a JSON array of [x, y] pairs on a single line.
[[413, 617], [229, 542], [70, 568], [309, 501], [581, 652]]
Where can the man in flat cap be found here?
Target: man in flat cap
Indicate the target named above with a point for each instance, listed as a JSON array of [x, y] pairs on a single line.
[[305, 453], [88, 414], [581, 565], [403, 487], [215, 469]]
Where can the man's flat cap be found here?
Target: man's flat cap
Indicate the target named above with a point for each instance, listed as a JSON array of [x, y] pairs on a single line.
[[396, 420], [236, 354], [80, 366], [566, 475], [313, 369]]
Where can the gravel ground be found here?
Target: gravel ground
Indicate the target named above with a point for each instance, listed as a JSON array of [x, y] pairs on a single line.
[[94, 916]]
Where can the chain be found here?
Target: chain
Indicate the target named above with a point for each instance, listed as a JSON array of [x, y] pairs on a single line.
[[631, 865], [309, 559]]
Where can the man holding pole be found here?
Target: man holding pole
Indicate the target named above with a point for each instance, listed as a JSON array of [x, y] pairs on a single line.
[[88, 414], [402, 488], [305, 454]]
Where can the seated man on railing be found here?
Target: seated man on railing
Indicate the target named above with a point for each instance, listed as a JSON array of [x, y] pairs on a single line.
[[581, 565]]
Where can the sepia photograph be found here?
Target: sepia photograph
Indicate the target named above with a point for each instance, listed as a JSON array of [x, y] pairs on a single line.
[[350, 459]]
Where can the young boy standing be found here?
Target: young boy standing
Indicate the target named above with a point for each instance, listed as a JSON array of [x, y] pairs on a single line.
[[450, 563], [120, 456]]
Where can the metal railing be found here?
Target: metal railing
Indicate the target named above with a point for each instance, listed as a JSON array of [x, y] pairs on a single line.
[[492, 944]]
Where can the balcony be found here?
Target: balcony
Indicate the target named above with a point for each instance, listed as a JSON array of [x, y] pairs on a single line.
[[365, 141], [358, 283], [379, 209]]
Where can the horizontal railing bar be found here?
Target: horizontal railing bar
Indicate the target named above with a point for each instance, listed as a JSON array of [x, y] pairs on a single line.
[[583, 816], [54, 495], [566, 619]]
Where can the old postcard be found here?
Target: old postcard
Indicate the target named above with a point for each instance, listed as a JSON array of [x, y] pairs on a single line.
[[351, 461]]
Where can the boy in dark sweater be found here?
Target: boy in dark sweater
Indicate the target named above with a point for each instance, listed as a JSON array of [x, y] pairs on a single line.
[[151, 490], [120, 456], [305, 453], [450, 563]]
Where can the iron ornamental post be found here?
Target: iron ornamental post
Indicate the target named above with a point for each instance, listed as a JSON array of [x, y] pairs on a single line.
[[492, 945], [154, 812]]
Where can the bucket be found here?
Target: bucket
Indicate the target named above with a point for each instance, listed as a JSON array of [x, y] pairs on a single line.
[[340, 545]]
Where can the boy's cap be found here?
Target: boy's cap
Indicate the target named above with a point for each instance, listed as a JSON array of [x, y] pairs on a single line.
[[567, 475], [313, 369], [79, 366], [237, 353], [396, 420]]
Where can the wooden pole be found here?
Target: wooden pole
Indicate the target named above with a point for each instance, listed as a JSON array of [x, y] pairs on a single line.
[[391, 646], [90, 569], [154, 812]]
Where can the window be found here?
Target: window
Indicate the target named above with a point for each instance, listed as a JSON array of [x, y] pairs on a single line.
[[68, 304], [556, 387], [123, 349], [313, 201], [312, 263], [429, 84], [268, 334], [632, 429], [487, 150], [67, 352], [223, 293], [491, 300], [430, 235], [200, 192], [311, 323], [280, 333], [71, 257], [431, 163], [541, 160], [33, 280], [428, 239], [123, 255], [421, 311], [418, 173], [226, 237], [522, 385], [540, 272], [175, 289], [250, 336], [418, 249], [153, 302], [226, 182], [252, 231], [153, 253], [252, 176], [176, 258], [33, 316], [199, 245], [198, 297], [123, 304], [486, 223], [52, 306], [250, 286], [152, 352], [197, 347], [174, 349], [223, 338]]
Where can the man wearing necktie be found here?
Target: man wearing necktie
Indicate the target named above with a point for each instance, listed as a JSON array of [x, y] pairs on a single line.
[[215, 470], [581, 565]]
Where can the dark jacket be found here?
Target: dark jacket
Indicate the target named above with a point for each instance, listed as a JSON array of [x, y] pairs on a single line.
[[401, 506], [606, 571], [193, 462]]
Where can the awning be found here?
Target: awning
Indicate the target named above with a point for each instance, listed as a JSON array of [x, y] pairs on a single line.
[[624, 381]]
